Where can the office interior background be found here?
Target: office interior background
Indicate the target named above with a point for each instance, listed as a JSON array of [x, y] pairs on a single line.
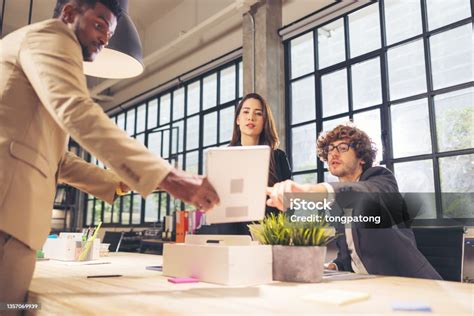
[[402, 70]]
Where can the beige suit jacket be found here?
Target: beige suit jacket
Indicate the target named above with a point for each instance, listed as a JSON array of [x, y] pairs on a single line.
[[43, 100]]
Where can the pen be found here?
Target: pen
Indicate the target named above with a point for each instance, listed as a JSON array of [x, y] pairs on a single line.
[[104, 276], [155, 268], [89, 242]]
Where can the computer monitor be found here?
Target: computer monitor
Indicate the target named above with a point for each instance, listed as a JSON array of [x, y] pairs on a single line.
[[240, 175]]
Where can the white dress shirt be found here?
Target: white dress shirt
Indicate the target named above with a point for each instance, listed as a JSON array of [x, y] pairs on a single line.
[[356, 263]]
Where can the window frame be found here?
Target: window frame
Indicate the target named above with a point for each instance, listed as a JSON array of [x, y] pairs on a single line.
[[384, 107], [164, 197]]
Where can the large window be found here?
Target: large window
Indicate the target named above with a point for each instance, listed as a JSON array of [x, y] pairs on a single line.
[[403, 72], [178, 125]]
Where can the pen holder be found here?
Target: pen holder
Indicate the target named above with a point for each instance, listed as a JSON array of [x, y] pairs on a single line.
[[92, 254], [65, 249]]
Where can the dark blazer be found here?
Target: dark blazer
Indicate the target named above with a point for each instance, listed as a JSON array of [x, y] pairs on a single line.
[[390, 247], [283, 172]]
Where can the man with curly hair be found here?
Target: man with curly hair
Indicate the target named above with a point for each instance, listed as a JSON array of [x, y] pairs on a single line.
[[388, 248]]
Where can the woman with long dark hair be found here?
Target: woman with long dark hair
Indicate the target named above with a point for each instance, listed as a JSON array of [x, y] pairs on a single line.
[[254, 125]]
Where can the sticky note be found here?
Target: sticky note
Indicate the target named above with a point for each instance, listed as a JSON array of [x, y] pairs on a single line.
[[183, 280], [411, 306]]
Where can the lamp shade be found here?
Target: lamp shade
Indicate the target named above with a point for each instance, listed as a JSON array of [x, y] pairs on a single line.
[[123, 57]]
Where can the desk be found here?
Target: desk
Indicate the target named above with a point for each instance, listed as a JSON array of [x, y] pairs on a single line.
[[64, 290]]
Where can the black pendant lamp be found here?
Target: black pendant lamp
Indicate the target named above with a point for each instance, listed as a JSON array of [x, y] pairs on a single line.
[[123, 57]]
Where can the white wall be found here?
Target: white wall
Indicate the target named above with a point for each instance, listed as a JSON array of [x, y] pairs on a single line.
[[294, 10], [181, 19], [224, 38]]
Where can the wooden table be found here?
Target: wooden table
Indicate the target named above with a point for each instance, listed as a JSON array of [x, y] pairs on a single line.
[[65, 289]]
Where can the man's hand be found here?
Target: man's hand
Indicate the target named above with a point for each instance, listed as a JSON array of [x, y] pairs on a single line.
[[193, 189], [330, 266], [122, 189], [276, 192]]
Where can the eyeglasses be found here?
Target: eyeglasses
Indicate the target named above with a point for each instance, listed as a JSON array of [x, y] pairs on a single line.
[[341, 148]]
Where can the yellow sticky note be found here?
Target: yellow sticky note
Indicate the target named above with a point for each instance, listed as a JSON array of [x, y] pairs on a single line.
[[337, 297]]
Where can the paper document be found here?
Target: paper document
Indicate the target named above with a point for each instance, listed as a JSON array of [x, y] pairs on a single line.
[[334, 275], [338, 297]]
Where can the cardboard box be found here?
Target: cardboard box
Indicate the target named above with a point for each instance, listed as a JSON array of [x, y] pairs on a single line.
[[228, 260]]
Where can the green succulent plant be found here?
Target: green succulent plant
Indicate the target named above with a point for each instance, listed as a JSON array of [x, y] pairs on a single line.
[[279, 230]]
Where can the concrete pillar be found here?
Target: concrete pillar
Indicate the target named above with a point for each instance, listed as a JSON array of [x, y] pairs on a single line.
[[263, 58]]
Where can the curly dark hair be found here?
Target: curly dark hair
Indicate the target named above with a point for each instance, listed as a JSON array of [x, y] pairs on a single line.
[[364, 147], [112, 5]]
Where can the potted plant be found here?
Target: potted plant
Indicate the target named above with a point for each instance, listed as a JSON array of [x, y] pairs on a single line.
[[299, 248]]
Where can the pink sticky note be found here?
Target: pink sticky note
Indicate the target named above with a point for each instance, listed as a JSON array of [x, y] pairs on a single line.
[[183, 280]]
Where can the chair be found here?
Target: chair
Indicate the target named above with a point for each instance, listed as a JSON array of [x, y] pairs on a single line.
[[114, 239], [442, 247], [131, 241], [468, 261]]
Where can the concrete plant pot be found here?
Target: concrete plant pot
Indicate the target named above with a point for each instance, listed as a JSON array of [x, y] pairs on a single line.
[[298, 263]]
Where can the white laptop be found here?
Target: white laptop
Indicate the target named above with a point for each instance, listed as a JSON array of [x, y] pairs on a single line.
[[240, 175]]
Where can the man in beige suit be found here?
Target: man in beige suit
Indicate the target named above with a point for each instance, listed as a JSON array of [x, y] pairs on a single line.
[[43, 100]]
